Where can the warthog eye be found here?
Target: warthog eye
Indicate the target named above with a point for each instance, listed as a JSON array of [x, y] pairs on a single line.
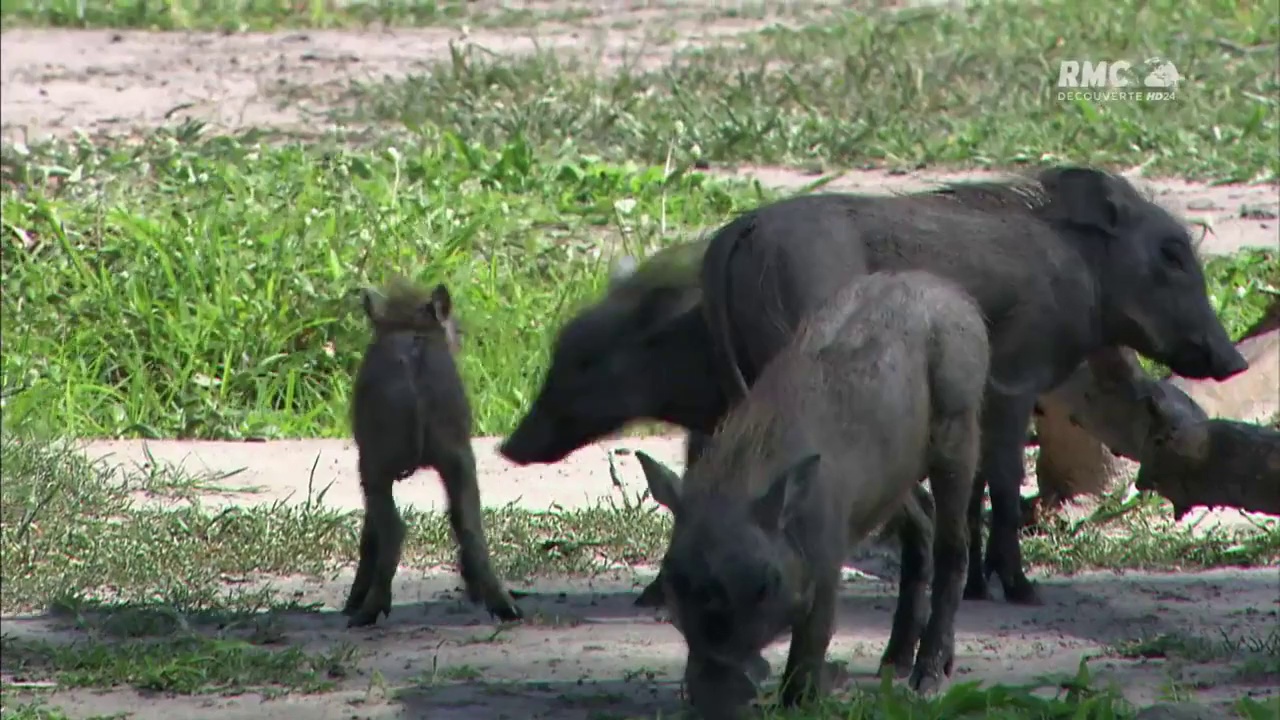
[[1171, 254]]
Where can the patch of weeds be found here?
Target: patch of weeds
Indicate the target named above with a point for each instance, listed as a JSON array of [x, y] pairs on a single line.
[[971, 87], [256, 15], [1242, 285], [39, 709], [1140, 533], [69, 535], [1250, 709], [185, 665], [1075, 697], [205, 287], [1253, 657]]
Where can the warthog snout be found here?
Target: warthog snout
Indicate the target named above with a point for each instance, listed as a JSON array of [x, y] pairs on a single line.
[[1228, 362], [532, 441], [1213, 357]]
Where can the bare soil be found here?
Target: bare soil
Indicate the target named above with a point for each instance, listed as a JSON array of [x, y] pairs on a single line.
[[585, 651]]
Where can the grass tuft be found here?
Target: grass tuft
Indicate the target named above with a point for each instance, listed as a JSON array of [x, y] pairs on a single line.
[[974, 87], [206, 287]]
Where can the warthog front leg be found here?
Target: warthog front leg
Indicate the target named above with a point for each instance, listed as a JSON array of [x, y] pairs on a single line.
[[805, 677], [458, 471], [1004, 427]]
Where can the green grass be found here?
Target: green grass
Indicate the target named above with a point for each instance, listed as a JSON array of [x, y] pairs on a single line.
[[204, 287], [246, 15], [1253, 658], [970, 88], [1242, 286], [70, 535], [1077, 697], [184, 665]]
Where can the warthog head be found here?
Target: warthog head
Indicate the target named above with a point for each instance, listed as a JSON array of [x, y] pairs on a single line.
[[734, 579], [406, 308], [1151, 283], [636, 353]]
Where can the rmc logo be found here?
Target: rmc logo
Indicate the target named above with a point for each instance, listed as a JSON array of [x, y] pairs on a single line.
[[1161, 77], [1074, 74]]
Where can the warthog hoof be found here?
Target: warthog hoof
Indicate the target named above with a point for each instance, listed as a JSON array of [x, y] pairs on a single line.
[[505, 609], [1023, 592], [977, 588], [900, 663], [484, 588], [651, 596], [367, 615], [355, 599], [930, 673], [926, 684]]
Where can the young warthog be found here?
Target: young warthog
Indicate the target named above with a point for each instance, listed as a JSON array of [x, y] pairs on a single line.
[[411, 411], [880, 387], [1062, 265]]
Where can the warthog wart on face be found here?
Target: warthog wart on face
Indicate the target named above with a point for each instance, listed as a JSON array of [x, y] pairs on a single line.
[[640, 352], [1063, 264], [410, 411], [808, 464]]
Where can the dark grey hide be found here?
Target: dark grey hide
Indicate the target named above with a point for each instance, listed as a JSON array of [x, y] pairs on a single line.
[[1061, 266]]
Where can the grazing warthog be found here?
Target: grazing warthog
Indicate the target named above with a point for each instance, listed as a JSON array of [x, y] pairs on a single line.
[[411, 411], [1061, 265], [880, 387], [642, 351]]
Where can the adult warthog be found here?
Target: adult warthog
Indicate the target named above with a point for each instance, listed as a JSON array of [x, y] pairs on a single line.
[[1062, 265]]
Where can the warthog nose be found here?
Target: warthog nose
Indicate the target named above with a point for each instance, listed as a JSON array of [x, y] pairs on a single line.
[[1233, 364]]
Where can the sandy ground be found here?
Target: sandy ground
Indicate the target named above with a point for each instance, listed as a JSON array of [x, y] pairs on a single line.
[[585, 652]]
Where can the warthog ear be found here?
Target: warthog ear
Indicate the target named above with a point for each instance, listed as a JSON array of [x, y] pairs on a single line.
[[1090, 198], [371, 303], [780, 503], [623, 268], [664, 485], [441, 303]]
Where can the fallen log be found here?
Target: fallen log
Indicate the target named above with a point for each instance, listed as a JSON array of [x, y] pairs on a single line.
[[1111, 398], [1185, 456], [1071, 461]]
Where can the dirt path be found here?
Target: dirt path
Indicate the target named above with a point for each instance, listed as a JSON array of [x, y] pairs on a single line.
[[586, 652]]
